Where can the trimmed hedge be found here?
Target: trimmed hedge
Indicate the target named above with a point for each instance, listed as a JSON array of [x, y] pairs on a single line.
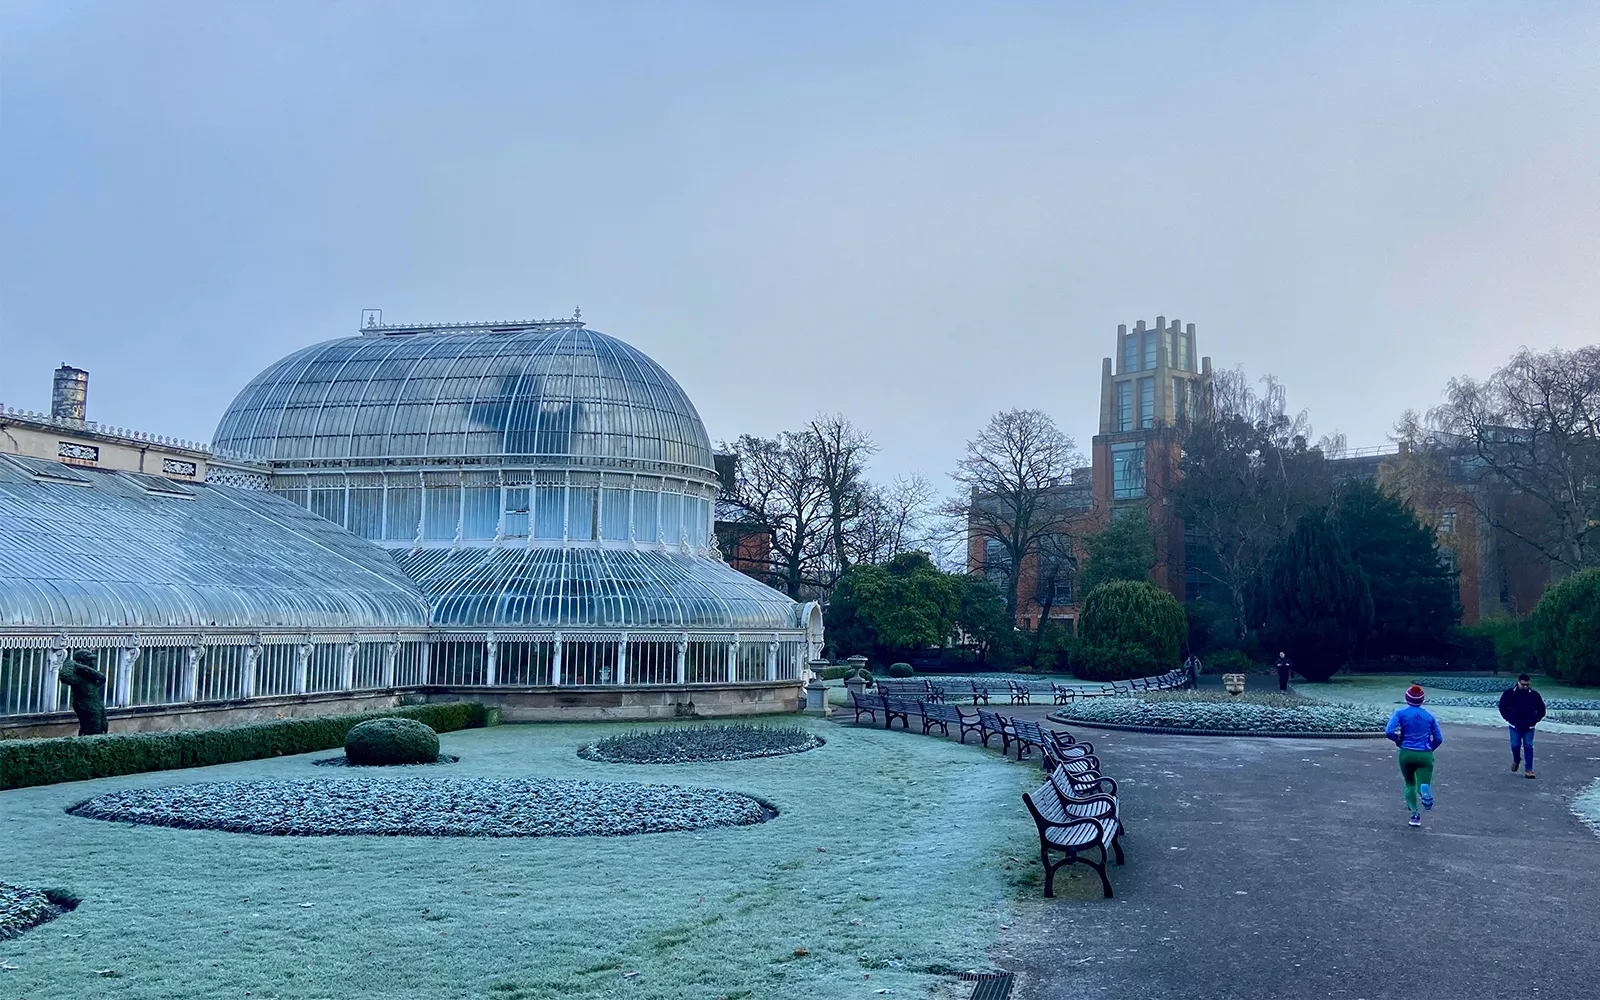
[[79, 758], [382, 742], [1124, 613], [1566, 628]]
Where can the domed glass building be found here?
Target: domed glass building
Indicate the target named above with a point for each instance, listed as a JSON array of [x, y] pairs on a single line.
[[549, 488]]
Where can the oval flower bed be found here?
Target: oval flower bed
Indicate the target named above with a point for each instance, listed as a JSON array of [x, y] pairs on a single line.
[[1207, 714], [697, 744], [429, 807], [1552, 704]]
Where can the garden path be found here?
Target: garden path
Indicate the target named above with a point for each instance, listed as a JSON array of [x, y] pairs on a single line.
[[1284, 868]]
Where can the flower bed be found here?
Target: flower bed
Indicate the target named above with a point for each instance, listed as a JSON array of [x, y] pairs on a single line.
[[1576, 718], [1552, 704], [1208, 713], [1475, 685], [429, 807], [22, 908], [697, 744], [343, 761]]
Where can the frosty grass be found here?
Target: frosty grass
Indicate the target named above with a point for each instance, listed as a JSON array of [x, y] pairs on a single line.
[[892, 854]]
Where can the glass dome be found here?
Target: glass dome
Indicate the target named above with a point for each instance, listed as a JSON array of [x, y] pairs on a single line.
[[545, 394]]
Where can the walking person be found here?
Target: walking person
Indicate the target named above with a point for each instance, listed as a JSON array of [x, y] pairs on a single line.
[[1522, 707], [1416, 732], [1284, 665]]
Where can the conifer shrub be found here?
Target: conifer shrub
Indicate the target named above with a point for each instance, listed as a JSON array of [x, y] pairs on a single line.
[[1128, 629], [1317, 604]]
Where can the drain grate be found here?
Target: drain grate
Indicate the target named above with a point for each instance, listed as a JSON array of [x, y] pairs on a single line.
[[989, 985]]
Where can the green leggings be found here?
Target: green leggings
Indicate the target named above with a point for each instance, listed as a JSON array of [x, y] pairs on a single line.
[[1417, 768]]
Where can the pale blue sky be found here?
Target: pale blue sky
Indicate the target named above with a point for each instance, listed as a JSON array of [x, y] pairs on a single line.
[[914, 213]]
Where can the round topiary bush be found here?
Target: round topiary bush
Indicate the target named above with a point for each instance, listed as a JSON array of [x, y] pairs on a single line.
[[1125, 613], [391, 741], [900, 670], [1566, 628]]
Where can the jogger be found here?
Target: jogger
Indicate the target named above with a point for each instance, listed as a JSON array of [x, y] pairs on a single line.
[[1416, 732], [1416, 766]]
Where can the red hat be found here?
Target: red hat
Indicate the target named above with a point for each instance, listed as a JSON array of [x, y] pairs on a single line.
[[1414, 694]]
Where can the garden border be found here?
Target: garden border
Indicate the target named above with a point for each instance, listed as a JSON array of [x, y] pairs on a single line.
[[1173, 731]]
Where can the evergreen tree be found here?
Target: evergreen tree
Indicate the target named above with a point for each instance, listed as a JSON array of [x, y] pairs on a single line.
[[1414, 597], [892, 610], [1316, 603], [1124, 550]]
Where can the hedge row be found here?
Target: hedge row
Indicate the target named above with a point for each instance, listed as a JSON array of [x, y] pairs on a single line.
[[78, 758]]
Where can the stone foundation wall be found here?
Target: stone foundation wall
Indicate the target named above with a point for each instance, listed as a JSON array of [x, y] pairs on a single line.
[[543, 704]]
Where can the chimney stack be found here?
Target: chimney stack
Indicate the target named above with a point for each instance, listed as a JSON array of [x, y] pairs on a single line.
[[70, 398]]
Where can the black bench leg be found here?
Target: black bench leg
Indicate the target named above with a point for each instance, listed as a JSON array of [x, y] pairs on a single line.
[[1101, 868], [1049, 873], [1116, 845]]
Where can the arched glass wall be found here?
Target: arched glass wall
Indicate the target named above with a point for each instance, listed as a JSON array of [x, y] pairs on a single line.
[[407, 508]]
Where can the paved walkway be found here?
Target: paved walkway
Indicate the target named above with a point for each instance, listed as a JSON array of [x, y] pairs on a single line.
[[1284, 868]]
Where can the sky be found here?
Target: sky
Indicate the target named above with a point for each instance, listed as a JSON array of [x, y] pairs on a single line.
[[915, 214]]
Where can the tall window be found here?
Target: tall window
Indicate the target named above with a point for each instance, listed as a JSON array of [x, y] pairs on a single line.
[[1124, 406], [1150, 349], [996, 562], [1130, 353], [1127, 471], [1147, 402], [1180, 398]]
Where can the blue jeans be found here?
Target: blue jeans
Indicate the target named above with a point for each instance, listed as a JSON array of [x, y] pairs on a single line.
[[1522, 745]]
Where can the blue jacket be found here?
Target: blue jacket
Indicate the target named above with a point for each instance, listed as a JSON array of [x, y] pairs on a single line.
[[1414, 728]]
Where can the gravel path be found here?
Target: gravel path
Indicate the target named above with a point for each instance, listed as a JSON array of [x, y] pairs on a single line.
[[429, 807]]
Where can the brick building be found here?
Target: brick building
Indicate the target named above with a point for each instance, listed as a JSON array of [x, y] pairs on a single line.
[[1148, 390]]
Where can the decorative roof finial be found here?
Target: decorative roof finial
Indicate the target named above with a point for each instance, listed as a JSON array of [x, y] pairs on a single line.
[[577, 312]]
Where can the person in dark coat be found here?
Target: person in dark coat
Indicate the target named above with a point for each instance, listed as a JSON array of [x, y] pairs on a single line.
[[1284, 665], [1522, 708]]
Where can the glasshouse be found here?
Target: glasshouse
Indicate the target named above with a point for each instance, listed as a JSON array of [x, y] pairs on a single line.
[[523, 508]]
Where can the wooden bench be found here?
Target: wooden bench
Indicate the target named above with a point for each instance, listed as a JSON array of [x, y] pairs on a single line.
[[1021, 693], [1059, 746], [861, 701], [899, 707], [980, 692], [991, 724], [945, 716], [922, 690], [1027, 735], [1063, 694], [1072, 835]]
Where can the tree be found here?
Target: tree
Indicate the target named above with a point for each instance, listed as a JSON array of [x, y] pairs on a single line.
[[778, 484], [982, 618], [1125, 549], [1013, 472], [1533, 427], [1316, 603], [1123, 615], [1414, 598], [1566, 628], [1246, 474], [841, 451], [892, 520], [894, 609]]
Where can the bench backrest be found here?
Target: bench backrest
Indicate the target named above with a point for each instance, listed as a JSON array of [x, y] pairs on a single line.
[[1045, 804], [940, 712], [991, 720], [1028, 731], [903, 687]]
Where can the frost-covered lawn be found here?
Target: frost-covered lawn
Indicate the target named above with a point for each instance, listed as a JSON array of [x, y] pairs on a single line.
[[1587, 806], [915, 833], [1388, 690]]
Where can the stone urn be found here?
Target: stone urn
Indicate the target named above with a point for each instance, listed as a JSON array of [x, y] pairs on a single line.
[[1233, 683], [857, 677]]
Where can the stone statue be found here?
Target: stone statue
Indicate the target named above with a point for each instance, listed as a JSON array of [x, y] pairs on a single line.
[[88, 687]]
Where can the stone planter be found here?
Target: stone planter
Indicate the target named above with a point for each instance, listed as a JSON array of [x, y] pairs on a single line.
[[1233, 683]]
